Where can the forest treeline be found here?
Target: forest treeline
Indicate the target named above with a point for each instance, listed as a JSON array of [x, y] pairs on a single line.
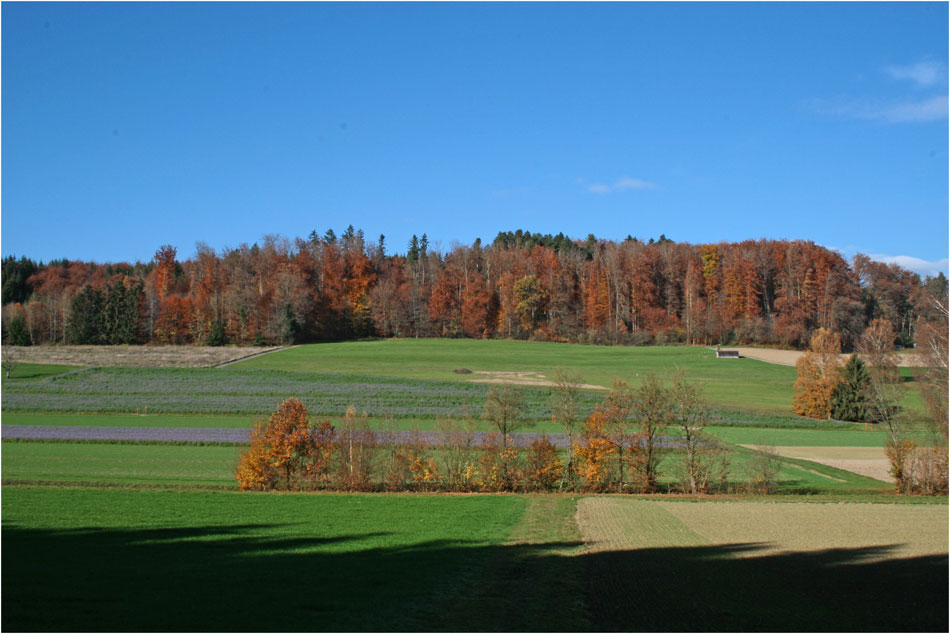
[[523, 285]]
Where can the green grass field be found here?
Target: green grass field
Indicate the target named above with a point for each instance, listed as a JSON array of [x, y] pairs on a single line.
[[119, 464], [809, 437], [116, 560], [108, 536], [33, 371], [742, 384], [102, 560]]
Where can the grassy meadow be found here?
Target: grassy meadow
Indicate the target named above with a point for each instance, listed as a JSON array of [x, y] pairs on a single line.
[[83, 559], [108, 536], [737, 384]]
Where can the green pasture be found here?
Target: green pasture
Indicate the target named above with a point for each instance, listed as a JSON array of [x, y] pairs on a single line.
[[255, 392], [153, 465], [128, 420], [120, 560], [776, 437], [856, 436], [33, 371], [108, 560], [743, 383]]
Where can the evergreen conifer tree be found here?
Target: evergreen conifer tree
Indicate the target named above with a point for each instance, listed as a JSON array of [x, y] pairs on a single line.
[[848, 400]]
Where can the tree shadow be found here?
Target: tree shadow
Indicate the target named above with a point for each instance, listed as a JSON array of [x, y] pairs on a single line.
[[262, 578], [711, 588]]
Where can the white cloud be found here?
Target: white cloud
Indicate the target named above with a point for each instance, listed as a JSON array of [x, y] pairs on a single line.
[[917, 265], [925, 73], [633, 183], [933, 109], [624, 183]]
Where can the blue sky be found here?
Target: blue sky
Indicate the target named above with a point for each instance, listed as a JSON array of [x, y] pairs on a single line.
[[129, 126]]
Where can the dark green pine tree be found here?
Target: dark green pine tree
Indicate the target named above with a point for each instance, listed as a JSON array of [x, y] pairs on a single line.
[[848, 400], [413, 253], [120, 313], [15, 273], [17, 331], [86, 317]]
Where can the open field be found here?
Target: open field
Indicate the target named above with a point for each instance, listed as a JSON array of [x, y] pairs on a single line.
[[258, 392], [138, 356], [107, 535], [112, 464], [753, 566], [295, 562], [281, 562], [743, 392], [791, 357], [887, 531], [34, 371], [857, 436], [742, 384], [867, 461], [211, 391]]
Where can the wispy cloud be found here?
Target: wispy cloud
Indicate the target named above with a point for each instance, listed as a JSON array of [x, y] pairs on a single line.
[[924, 73], [917, 265], [622, 184], [932, 109], [913, 108]]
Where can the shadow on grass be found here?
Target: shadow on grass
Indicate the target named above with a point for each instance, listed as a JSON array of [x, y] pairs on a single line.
[[244, 578]]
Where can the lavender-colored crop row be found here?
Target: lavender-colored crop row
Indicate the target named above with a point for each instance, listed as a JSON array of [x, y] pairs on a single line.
[[254, 392], [230, 435], [212, 391]]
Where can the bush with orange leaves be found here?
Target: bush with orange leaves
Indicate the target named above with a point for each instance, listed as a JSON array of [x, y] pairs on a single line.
[[286, 452], [594, 453], [498, 468], [544, 465], [818, 375]]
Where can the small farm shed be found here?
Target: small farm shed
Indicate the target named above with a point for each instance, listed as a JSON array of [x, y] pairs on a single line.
[[726, 354]]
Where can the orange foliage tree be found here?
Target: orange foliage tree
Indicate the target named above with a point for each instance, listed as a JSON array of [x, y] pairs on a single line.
[[594, 452], [544, 466], [283, 447], [818, 375]]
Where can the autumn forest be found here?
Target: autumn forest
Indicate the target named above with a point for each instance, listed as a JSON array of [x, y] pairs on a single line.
[[523, 286]]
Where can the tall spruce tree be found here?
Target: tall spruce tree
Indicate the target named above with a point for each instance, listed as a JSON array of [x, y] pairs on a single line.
[[848, 402], [86, 318], [18, 333]]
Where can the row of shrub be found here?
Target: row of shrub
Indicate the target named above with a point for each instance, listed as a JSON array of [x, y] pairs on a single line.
[[290, 453]]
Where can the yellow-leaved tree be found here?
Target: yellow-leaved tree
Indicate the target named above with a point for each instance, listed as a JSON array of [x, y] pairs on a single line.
[[818, 375]]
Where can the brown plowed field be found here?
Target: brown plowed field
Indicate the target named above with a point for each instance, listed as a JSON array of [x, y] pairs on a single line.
[[139, 356], [789, 357], [898, 530], [866, 461]]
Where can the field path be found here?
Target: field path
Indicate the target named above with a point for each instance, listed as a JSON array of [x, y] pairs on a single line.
[[254, 356]]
